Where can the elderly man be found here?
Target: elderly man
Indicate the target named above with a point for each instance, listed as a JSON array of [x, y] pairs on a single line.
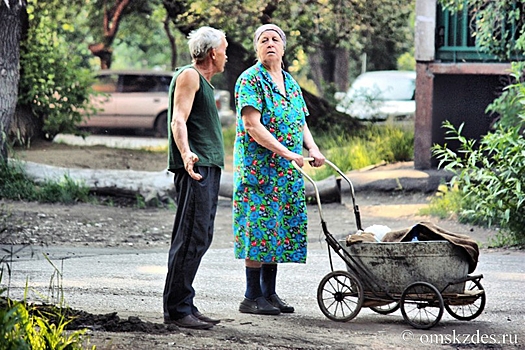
[[196, 158]]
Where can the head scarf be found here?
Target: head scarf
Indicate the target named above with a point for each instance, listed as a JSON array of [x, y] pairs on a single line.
[[264, 28]]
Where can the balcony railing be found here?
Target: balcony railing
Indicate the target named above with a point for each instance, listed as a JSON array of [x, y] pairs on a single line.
[[454, 37]]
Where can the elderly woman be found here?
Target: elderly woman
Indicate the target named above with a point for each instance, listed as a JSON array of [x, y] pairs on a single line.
[[269, 207]]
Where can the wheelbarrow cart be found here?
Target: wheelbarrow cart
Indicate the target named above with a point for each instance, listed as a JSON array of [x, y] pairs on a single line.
[[421, 278]]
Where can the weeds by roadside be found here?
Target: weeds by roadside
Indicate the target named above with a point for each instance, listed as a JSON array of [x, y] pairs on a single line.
[[16, 185], [28, 326]]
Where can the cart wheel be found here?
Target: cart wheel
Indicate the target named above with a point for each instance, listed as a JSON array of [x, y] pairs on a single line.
[[386, 309], [422, 305], [469, 311], [340, 296]]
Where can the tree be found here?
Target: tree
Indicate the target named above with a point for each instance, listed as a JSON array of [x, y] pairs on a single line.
[[333, 33], [55, 84], [107, 20], [111, 20], [312, 26], [13, 18]]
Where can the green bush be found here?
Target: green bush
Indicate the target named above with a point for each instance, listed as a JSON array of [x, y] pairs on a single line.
[[25, 327], [54, 83], [508, 106], [31, 326], [489, 176]]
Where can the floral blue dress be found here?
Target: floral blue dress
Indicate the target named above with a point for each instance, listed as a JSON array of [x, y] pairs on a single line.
[[269, 207]]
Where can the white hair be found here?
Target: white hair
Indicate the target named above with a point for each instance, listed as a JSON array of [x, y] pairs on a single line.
[[202, 40]]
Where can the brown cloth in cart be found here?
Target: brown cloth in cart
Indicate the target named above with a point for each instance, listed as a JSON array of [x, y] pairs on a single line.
[[430, 232]]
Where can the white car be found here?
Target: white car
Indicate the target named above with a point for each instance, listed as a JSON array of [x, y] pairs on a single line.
[[380, 96], [139, 100]]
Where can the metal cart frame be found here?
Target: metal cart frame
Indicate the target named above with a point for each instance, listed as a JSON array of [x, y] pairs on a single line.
[[342, 294]]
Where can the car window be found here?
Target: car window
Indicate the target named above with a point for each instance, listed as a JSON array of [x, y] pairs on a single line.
[[106, 83], [163, 83], [145, 83], [385, 88]]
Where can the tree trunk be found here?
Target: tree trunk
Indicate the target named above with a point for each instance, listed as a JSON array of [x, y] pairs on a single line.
[[25, 126], [330, 66], [10, 34], [103, 53], [173, 44], [110, 25]]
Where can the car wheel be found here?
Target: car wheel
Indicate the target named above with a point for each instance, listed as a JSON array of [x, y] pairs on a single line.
[[161, 125]]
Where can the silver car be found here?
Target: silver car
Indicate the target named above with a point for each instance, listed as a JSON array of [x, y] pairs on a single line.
[[380, 96], [138, 100]]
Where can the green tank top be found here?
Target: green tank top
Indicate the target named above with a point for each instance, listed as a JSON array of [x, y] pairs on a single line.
[[204, 127]]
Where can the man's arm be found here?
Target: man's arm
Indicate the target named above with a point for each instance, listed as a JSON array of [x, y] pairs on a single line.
[[183, 97]]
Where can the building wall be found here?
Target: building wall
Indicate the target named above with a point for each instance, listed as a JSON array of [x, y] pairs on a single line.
[[458, 92], [462, 99]]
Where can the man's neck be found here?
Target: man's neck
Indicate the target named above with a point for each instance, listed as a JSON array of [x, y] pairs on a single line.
[[205, 69]]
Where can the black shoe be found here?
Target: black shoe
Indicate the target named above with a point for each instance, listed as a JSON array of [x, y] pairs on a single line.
[[259, 306], [280, 304], [189, 321], [205, 318]]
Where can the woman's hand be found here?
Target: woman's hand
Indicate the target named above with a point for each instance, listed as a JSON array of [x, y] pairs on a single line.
[[297, 158], [317, 156]]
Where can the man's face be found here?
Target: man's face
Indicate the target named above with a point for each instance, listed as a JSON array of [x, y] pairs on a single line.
[[220, 58]]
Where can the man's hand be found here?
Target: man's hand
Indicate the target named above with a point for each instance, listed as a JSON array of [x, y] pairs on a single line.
[[189, 161]]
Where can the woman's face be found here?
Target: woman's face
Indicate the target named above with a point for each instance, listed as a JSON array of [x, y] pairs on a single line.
[[270, 47]]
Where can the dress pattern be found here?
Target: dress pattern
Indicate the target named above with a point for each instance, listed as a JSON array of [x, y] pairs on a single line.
[[269, 208]]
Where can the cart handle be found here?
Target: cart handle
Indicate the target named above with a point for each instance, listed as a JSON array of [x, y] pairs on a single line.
[[317, 196], [316, 189]]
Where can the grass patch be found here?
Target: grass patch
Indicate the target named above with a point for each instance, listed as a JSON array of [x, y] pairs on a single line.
[[16, 185], [372, 145], [349, 151], [24, 326], [445, 204]]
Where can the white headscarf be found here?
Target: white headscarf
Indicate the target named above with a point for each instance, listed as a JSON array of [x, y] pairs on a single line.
[[264, 28]]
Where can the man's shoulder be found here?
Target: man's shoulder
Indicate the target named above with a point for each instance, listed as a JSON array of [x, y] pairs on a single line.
[[187, 71], [186, 77]]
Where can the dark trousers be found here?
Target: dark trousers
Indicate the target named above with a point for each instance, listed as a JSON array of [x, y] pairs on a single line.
[[191, 237]]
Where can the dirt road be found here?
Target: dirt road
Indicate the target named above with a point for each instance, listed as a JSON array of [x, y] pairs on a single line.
[[85, 225]]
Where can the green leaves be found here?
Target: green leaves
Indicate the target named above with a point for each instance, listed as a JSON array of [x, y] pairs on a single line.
[[490, 172], [53, 83], [498, 25]]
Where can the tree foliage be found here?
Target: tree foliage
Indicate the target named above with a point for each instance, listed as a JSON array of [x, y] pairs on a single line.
[[380, 28], [54, 85], [106, 21], [498, 26], [318, 28]]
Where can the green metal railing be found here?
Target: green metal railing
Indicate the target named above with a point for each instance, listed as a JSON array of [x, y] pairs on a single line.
[[454, 39]]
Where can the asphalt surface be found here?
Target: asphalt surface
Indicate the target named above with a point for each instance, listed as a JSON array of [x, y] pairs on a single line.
[[131, 281]]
